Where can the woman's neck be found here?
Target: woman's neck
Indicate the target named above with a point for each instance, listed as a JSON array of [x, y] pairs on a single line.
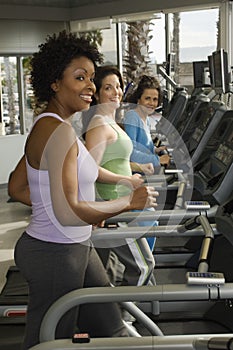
[[141, 112], [106, 112], [55, 107]]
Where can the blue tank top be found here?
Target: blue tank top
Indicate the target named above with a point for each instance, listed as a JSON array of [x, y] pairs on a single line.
[[43, 224]]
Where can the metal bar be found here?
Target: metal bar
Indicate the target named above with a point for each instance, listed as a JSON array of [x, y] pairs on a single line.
[[169, 292]]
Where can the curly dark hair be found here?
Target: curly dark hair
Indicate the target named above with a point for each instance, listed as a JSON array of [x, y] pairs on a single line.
[[49, 63], [145, 82]]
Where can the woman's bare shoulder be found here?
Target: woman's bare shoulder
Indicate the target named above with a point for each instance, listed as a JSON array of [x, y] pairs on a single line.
[[98, 120]]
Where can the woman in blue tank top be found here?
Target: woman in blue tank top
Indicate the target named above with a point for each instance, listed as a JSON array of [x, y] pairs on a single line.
[[144, 100]]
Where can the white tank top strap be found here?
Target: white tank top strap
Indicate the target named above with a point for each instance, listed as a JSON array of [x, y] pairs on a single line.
[[47, 114]]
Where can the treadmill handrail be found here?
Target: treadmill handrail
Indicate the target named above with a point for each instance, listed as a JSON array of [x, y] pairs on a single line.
[[169, 342], [105, 234], [162, 71], [223, 342], [169, 292], [176, 215]]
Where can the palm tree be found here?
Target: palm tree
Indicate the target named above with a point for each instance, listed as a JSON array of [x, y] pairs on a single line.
[[9, 83], [176, 45], [95, 37], [136, 60]]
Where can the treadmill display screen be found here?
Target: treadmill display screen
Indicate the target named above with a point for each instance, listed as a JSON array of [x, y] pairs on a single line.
[[224, 153], [230, 139], [204, 119]]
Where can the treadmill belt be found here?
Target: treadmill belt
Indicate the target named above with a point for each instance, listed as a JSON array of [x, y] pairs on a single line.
[[185, 327], [11, 333], [15, 288]]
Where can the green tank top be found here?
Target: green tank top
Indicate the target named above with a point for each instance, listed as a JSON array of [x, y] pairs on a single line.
[[116, 158]]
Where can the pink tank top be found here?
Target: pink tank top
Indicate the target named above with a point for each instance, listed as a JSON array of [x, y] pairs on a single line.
[[43, 224]]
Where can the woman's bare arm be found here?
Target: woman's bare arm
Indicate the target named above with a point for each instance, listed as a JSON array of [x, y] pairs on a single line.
[[18, 188], [61, 155]]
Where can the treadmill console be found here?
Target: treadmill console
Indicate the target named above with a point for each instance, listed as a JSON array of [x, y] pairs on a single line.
[[224, 153], [194, 104], [200, 124], [224, 219], [173, 112], [205, 118], [214, 177]]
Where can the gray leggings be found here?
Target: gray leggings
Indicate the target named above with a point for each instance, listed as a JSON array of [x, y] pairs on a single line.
[[54, 269], [137, 259]]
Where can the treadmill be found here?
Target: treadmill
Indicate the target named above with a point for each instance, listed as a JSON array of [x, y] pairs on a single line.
[[212, 183], [174, 108], [179, 316], [194, 104], [208, 327]]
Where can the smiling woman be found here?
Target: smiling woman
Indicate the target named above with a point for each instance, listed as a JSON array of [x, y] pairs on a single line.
[[111, 147], [146, 97], [56, 177]]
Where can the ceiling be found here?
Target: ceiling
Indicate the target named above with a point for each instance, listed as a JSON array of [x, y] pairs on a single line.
[[68, 10], [52, 3]]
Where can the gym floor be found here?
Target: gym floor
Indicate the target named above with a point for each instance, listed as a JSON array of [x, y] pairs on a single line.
[[13, 219]]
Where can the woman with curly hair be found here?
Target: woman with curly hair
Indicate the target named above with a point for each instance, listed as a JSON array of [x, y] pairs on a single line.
[[56, 176]]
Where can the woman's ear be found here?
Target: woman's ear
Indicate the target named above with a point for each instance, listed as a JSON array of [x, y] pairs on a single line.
[[55, 86]]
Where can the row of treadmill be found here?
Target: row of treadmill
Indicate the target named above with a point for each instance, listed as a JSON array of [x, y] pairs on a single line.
[[191, 305]]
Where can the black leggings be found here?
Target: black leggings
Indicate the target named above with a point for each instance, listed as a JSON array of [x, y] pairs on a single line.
[[54, 269]]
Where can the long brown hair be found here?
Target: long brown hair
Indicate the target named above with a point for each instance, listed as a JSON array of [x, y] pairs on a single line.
[[101, 72]]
